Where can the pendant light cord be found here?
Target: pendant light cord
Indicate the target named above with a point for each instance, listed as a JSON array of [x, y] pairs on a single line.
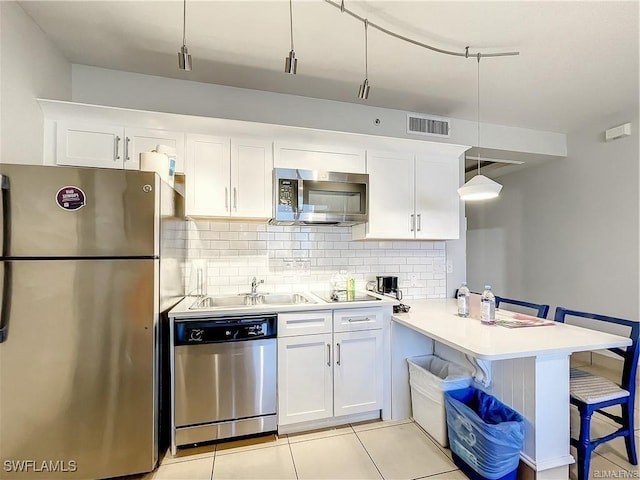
[[478, 113], [184, 23], [366, 48], [291, 21]]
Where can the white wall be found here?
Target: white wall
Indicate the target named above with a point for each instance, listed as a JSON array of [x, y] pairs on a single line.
[[31, 67], [566, 233], [146, 92]]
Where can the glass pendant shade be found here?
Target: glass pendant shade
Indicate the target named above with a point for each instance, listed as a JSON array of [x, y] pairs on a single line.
[[479, 188]]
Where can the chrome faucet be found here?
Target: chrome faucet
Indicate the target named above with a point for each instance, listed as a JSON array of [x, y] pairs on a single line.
[[254, 286]]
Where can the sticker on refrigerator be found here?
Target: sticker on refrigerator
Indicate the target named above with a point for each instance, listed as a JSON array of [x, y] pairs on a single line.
[[70, 198]]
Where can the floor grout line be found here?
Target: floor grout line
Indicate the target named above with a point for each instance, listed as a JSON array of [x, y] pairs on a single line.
[[367, 451], [213, 464], [295, 470]]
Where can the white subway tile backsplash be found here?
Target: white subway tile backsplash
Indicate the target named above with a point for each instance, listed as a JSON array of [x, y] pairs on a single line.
[[228, 235], [248, 235], [304, 258], [217, 226]]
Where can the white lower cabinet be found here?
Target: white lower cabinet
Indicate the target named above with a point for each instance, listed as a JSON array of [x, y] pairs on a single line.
[[357, 372], [330, 374], [305, 378]]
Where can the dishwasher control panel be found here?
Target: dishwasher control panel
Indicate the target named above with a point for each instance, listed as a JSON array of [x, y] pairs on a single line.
[[226, 329]]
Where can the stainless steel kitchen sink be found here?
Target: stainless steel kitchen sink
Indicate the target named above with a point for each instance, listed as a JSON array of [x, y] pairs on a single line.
[[286, 299], [247, 300]]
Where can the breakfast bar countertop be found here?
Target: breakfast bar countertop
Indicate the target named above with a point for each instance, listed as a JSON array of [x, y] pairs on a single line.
[[438, 320]]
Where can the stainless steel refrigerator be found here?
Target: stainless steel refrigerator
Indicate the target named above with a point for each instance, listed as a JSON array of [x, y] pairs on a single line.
[[89, 260]]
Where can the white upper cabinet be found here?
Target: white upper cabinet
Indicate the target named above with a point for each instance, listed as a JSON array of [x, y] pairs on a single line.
[[86, 144], [391, 197], [251, 178], [315, 157], [412, 196], [437, 200], [228, 177], [207, 175], [140, 140]]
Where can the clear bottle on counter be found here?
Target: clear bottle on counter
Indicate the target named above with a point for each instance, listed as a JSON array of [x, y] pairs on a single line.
[[488, 306], [463, 300], [339, 282], [351, 286]]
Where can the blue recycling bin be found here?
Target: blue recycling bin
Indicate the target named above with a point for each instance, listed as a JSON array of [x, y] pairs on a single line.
[[485, 435]]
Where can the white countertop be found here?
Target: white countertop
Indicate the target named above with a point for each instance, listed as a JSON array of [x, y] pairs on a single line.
[[183, 310], [438, 319]]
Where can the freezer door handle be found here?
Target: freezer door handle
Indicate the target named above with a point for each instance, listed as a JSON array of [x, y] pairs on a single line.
[[6, 249], [6, 216]]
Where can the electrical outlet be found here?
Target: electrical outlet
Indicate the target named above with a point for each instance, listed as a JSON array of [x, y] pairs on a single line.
[[449, 266], [413, 279]]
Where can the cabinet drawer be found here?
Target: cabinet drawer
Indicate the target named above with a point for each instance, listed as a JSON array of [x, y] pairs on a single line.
[[350, 320], [303, 323]]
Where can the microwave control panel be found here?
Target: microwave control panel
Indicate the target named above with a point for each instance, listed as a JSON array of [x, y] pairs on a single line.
[[288, 194]]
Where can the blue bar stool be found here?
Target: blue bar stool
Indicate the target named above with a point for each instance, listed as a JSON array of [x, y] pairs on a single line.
[[591, 393], [541, 309]]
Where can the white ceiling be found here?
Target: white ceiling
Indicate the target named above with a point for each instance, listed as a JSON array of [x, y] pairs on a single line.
[[578, 61]]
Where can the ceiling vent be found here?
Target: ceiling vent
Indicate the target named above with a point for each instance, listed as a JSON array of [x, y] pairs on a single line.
[[428, 125]]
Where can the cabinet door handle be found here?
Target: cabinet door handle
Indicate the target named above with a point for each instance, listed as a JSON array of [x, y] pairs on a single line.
[[117, 148], [235, 198], [419, 222], [412, 223], [328, 354], [126, 149], [359, 319], [226, 198], [338, 353]]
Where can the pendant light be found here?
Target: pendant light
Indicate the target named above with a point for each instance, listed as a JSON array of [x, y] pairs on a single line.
[[363, 91], [184, 57], [291, 62], [479, 187]]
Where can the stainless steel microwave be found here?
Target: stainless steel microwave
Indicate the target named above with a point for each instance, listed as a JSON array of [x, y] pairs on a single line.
[[316, 197]]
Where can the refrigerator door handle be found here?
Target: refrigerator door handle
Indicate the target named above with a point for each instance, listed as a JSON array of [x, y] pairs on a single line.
[[6, 249], [5, 313]]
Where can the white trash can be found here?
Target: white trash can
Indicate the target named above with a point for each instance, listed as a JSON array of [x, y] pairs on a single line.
[[429, 378]]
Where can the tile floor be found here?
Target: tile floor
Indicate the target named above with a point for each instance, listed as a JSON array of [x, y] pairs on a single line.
[[372, 450]]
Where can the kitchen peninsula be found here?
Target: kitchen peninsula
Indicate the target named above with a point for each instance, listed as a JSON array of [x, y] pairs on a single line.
[[526, 368]]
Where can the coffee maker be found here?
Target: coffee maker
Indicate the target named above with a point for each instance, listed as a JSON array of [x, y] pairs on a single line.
[[388, 286]]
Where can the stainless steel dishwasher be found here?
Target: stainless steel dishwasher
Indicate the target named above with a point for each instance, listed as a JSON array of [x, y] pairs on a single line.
[[223, 378]]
